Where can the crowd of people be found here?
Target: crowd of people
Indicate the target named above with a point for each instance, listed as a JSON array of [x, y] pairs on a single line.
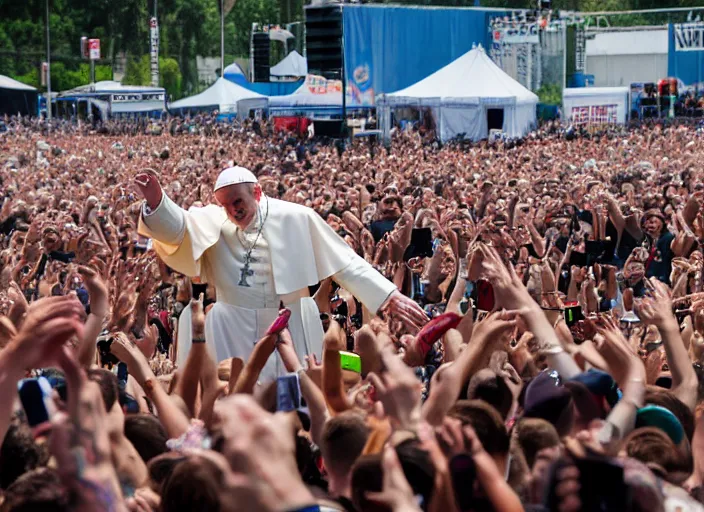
[[560, 368]]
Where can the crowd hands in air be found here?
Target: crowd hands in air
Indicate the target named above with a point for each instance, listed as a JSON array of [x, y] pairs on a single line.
[[565, 376]]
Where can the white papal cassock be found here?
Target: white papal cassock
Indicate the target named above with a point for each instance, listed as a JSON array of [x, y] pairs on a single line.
[[296, 249]]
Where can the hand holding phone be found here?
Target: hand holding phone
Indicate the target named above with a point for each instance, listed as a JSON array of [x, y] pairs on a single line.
[[350, 361], [38, 405]]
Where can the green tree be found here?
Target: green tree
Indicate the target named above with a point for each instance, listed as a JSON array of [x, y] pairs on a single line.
[[137, 71], [170, 77]]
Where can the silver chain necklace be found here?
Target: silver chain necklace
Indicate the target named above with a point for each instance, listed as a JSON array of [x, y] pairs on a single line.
[[246, 271]]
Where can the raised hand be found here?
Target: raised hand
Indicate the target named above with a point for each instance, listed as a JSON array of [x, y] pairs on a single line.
[[49, 324], [399, 391], [656, 310], [624, 364], [131, 355], [148, 183], [405, 309], [81, 446], [197, 317]]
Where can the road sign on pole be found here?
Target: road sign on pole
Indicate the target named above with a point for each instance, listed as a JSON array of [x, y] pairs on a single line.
[[94, 49]]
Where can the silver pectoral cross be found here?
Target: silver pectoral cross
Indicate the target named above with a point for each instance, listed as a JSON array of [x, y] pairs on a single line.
[[244, 274]]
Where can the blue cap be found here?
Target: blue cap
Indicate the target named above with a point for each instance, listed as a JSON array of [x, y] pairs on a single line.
[[662, 418]]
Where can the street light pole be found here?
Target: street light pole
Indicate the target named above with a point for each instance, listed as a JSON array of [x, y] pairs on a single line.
[[222, 37], [48, 66]]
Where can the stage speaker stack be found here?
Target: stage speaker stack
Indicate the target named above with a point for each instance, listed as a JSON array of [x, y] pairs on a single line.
[[324, 54], [260, 56], [324, 41]]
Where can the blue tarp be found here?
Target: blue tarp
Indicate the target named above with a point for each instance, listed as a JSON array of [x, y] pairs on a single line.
[[388, 48], [685, 59]]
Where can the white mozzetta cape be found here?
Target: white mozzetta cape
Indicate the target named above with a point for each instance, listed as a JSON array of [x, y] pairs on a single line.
[[304, 249]]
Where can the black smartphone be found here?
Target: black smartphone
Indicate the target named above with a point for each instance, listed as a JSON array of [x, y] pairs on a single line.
[[532, 252], [578, 259], [35, 396], [421, 244], [463, 473], [485, 295], [341, 310], [573, 314], [107, 359]]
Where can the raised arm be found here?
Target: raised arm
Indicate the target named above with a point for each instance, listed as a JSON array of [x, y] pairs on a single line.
[[99, 309], [658, 311], [160, 217], [310, 391], [445, 390], [174, 420]]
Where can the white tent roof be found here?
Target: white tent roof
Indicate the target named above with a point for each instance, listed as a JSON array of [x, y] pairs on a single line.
[[105, 86], [302, 97], [294, 64], [10, 83], [233, 69], [223, 95], [471, 79]]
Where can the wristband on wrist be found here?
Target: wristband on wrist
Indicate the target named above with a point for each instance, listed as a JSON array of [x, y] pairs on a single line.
[[198, 339]]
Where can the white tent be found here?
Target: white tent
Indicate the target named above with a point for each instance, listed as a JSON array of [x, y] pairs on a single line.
[[599, 105], [294, 64], [10, 83], [224, 96], [304, 97], [463, 96]]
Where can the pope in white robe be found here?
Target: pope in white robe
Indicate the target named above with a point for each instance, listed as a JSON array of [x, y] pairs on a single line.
[[259, 253]]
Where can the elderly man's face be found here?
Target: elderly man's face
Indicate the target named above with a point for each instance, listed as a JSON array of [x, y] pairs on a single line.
[[240, 202]]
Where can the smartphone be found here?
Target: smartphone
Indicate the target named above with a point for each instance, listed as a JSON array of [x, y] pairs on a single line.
[[417, 287], [38, 405], [107, 359], [485, 296], [573, 314], [578, 259], [463, 473], [421, 244], [350, 361], [341, 310], [122, 375], [288, 393]]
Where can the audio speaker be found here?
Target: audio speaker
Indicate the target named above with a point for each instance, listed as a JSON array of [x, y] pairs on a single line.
[[260, 56], [324, 41]]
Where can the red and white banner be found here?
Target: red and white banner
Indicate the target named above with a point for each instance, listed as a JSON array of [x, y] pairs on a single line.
[[94, 49]]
